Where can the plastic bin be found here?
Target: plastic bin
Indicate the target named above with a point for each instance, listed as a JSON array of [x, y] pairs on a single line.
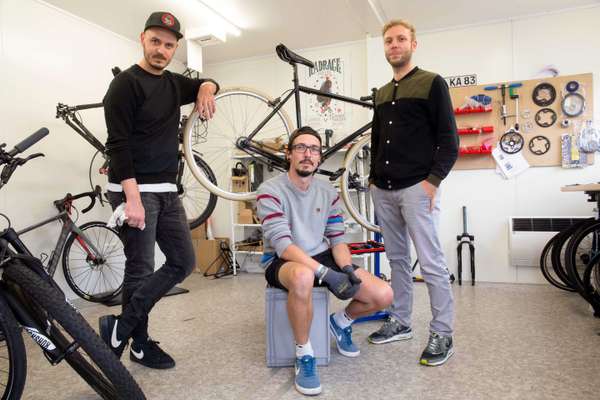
[[281, 349]]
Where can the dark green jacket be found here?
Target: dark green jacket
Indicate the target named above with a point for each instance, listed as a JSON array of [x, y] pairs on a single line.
[[414, 132]]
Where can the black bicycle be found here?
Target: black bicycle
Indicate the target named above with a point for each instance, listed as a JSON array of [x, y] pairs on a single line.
[[29, 298], [198, 203], [247, 123]]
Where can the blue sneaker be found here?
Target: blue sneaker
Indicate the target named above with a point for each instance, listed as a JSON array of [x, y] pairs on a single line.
[[307, 379], [343, 339]]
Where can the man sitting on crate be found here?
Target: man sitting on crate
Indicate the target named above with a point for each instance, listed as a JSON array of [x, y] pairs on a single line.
[[304, 246]]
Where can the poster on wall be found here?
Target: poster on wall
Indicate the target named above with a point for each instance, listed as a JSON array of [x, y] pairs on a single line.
[[330, 75]]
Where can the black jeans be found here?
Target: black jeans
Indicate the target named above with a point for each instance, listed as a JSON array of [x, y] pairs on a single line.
[[166, 225]]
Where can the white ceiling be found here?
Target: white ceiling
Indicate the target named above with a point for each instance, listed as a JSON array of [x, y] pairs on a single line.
[[303, 23]]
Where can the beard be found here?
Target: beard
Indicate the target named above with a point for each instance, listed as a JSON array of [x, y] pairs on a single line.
[[304, 173], [402, 61], [158, 63]]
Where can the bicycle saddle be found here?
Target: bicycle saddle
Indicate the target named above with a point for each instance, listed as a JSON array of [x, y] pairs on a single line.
[[292, 58]]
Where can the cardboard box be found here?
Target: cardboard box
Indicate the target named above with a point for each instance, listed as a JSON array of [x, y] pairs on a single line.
[[208, 254], [240, 184], [199, 232], [245, 216], [249, 247]]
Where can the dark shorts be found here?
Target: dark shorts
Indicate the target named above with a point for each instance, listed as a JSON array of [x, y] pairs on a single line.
[[272, 272]]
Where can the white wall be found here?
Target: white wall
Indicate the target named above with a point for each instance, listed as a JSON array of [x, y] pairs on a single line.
[[512, 50], [49, 56]]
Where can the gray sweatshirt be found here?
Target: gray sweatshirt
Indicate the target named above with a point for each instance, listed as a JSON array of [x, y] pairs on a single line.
[[312, 220]]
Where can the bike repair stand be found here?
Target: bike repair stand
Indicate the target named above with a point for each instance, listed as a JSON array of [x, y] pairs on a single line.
[[467, 239], [375, 247], [225, 262]]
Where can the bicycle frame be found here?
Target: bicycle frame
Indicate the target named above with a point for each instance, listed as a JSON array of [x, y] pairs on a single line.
[[249, 146]]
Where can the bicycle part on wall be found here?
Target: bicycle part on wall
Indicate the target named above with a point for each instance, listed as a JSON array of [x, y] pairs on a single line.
[[539, 145], [511, 142], [528, 125], [543, 94], [545, 117], [573, 104]]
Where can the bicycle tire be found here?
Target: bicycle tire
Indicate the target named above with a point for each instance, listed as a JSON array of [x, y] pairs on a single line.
[[198, 203], [559, 252], [80, 269], [216, 139], [12, 351], [108, 377], [548, 270], [580, 252], [355, 176]]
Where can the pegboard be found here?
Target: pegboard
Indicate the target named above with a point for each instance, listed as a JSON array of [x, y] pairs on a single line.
[[493, 119]]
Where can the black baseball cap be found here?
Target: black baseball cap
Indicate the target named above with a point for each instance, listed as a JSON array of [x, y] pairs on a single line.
[[165, 20]]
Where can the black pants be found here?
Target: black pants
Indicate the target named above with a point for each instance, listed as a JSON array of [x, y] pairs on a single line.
[[166, 225]]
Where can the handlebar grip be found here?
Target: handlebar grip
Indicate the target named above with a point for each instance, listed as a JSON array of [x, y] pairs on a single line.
[[366, 98], [90, 206], [115, 71], [29, 141], [87, 106]]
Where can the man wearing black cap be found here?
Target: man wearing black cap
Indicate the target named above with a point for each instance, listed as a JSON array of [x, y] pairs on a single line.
[[142, 111]]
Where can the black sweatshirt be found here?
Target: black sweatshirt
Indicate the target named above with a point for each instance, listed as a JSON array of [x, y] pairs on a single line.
[[414, 132], [142, 113]]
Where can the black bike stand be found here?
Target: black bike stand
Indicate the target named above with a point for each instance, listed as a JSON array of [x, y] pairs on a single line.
[[118, 300]]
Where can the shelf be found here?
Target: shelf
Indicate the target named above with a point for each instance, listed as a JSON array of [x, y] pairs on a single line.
[[474, 150], [475, 131], [248, 225], [475, 110], [248, 252]]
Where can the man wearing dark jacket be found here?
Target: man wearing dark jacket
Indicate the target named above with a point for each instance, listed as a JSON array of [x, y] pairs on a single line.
[[414, 146], [142, 111]]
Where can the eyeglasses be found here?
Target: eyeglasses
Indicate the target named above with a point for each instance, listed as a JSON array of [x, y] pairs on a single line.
[[301, 148]]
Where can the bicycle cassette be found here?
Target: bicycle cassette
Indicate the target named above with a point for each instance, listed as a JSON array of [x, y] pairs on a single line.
[[511, 142], [545, 117], [539, 145]]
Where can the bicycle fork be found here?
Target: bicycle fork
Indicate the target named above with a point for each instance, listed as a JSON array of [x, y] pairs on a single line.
[[465, 239]]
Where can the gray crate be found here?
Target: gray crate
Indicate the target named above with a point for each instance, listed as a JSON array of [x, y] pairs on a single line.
[[281, 350]]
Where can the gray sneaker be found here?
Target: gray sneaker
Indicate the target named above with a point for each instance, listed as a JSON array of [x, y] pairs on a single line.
[[439, 349], [390, 331]]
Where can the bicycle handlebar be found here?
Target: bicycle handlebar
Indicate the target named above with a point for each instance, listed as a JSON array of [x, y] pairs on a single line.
[[29, 141], [96, 193]]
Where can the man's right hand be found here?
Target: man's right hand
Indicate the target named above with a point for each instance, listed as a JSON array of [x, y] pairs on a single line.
[[339, 284], [136, 215]]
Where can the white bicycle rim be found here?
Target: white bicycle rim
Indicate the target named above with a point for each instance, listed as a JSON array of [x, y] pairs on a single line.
[[188, 145], [361, 197]]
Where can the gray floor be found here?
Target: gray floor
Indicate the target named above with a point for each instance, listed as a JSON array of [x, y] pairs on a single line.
[[512, 342]]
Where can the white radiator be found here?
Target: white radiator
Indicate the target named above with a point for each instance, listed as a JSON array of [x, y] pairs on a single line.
[[529, 235]]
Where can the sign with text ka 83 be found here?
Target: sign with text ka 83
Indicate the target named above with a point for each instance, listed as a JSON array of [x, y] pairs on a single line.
[[461, 80]]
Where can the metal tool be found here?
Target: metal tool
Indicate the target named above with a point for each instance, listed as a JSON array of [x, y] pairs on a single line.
[[465, 239], [504, 110]]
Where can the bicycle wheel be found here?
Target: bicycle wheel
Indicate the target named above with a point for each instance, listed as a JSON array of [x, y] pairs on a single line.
[[94, 176], [13, 359], [583, 246], [198, 203], [559, 252], [94, 277], [239, 112], [355, 183], [547, 268], [90, 357]]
